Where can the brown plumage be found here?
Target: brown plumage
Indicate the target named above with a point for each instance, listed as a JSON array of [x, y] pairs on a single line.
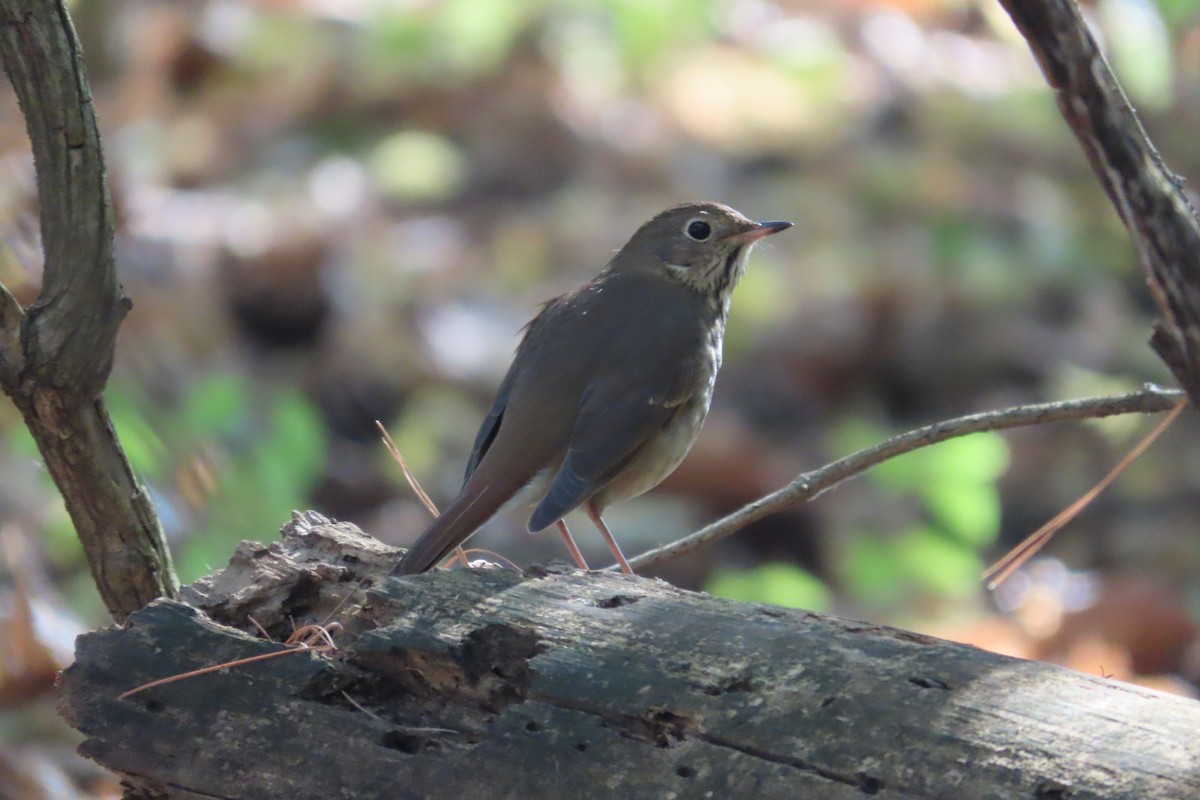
[[611, 382]]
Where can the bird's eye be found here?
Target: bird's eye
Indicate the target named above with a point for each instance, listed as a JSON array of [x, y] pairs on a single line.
[[698, 229]]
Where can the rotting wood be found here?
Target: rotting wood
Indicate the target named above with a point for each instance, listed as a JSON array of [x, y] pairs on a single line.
[[559, 683]]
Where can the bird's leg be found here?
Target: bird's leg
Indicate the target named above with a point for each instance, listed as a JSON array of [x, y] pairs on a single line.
[[609, 540], [571, 546]]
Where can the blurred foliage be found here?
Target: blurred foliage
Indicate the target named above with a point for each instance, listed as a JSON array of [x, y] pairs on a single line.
[[234, 460], [956, 483], [776, 584]]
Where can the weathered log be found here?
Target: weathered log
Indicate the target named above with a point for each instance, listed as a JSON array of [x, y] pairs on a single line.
[[489, 684]]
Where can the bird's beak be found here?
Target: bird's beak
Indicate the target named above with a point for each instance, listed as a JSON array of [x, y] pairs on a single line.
[[759, 231]]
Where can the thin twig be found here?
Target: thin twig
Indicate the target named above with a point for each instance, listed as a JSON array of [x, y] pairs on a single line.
[[809, 485]]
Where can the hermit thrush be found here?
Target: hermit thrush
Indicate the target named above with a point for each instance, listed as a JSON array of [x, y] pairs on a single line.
[[610, 383]]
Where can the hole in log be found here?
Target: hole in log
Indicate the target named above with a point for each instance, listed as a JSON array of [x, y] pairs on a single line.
[[533, 726], [581, 746], [730, 684], [828, 701], [929, 683], [664, 727], [868, 784], [404, 742], [1052, 790], [154, 705], [616, 601], [684, 771], [495, 659]]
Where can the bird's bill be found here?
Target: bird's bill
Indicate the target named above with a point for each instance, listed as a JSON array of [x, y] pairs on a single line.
[[761, 230]]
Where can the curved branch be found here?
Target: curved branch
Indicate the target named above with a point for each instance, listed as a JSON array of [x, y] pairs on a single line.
[[1147, 196], [55, 357], [810, 485], [71, 330]]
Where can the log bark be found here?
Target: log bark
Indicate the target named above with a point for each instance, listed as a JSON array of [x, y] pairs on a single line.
[[558, 683]]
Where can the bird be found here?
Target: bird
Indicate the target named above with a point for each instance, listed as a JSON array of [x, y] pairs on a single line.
[[610, 383]]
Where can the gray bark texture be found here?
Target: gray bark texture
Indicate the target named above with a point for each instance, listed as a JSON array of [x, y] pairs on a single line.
[[485, 683]]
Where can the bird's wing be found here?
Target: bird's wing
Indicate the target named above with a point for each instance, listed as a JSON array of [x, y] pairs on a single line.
[[612, 427], [490, 426], [526, 351]]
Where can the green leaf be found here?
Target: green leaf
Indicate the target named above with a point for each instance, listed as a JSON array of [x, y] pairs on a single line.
[[417, 165], [969, 460], [646, 30], [870, 571], [262, 485], [968, 512], [937, 564], [145, 449], [20, 442], [212, 408], [980, 457], [1178, 13], [297, 439], [1140, 49], [776, 584]]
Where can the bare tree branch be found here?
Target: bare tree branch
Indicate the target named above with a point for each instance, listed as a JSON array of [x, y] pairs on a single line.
[[810, 485], [55, 357], [1147, 196]]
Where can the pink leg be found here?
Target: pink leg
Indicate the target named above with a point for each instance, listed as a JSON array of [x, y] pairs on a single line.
[[609, 540], [571, 546]]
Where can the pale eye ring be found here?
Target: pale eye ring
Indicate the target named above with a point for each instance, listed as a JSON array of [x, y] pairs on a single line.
[[697, 230]]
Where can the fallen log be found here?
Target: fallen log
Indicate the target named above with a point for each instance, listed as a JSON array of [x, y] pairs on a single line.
[[484, 683]]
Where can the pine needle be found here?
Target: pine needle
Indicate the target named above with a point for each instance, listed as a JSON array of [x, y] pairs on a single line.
[[1017, 557], [459, 554]]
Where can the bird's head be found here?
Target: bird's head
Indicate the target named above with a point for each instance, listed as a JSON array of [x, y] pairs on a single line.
[[701, 245]]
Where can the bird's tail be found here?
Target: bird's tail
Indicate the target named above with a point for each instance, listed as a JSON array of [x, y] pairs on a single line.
[[474, 506]]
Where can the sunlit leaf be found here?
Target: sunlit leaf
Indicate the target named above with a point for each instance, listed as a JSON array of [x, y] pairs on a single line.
[[776, 584], [20, 443], [870, 571], [980, 457], [1178, 12], [142, 444], [263, 484], [212, 407], [937, 564], [968, 512], [416, 165], [644, 30], [297, 438], [1140, 50]]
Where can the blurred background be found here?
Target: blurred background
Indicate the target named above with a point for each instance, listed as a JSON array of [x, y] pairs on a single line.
[[332, 212]]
